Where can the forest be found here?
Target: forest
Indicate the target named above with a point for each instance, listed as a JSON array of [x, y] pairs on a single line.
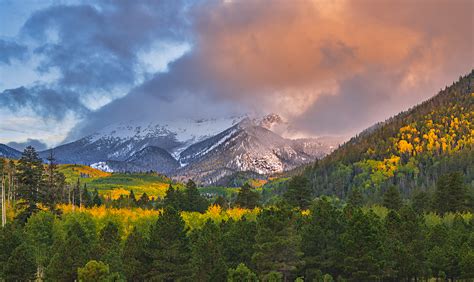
[[54, 232], [410, 150]]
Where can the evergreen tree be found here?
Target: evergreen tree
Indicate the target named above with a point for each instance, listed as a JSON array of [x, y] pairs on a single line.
[[132, 199], [208, 261], [246, 198], [356, 198], [321, 238], [21, 264], [362, 247], [277, 244], [40, 237], [30, 182], [168, 248], [71, 253], [108, 247], [194, 200], [10, 239], [221, 202], [174, 198], [421, 202], [143, 201], [133, 256], [96, 199], [241, 273], [451, 194], [240, 240], [392, 199], [86, 197], [299, 192]]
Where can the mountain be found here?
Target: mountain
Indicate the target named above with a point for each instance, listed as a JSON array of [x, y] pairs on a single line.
[[205, 150], [150, 158], [119, 142], [8, 152], [410, 150], [247, 146]]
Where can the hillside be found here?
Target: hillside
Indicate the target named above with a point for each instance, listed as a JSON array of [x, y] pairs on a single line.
[[8, 152], [115, 184], [409, 150]]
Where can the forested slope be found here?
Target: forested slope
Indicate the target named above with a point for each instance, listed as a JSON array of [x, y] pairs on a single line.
[[410, 150]]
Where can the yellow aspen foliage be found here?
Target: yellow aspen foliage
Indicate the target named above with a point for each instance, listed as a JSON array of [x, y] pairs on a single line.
[[405, 147]]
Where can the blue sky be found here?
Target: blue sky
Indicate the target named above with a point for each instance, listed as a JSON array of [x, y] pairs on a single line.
[[68, 68]]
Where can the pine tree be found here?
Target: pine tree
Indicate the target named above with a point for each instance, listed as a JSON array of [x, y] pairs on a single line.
[[277, 244], [133, 256], [54, 182], [30, 180], [174, 198], [39, 231], [239, 241], [392, 199], [132, 199], [299, 192], [194, 200], [10, 238], [86, 197], [321, 238], [451, 194], [362, 247], [356, 198], [246, 198], [21, 264], [71, 253], [96, 199], [168, 248], [421, 202], [108, 247], [208, 261], [144, 201]]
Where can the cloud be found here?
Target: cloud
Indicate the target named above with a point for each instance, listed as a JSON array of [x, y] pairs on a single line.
[[10, 50], [44, 101], [330, 67], [20, 146], [95, 47]]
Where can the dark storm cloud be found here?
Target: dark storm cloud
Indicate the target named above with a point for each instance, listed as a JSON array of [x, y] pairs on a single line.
[[20, 146], [10, 50], [95, 46], [45, 102]]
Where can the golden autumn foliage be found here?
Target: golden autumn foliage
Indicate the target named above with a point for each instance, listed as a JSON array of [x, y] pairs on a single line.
[[130, 216]]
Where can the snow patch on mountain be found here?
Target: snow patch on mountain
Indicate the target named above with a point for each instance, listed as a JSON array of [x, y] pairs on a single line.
[[102, 166]]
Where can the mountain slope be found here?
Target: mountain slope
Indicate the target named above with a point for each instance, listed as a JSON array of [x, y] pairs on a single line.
[[409, 150], [150, 158], [118, 142], [247, 146], [8, 152]]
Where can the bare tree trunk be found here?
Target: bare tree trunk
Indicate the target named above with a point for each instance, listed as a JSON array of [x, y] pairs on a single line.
[[80, 199], [73, 201], [4, 206]]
